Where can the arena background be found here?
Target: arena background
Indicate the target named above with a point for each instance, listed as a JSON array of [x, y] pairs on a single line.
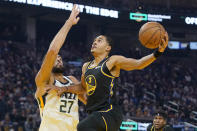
[[170, 83]]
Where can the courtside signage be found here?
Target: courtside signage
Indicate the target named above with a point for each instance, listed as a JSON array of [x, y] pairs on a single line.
[[149, 17], [134, 126], [191, 20], [158, 17], [68, 6]]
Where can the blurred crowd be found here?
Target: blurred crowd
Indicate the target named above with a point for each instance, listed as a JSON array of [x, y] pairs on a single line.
[[166, 84]]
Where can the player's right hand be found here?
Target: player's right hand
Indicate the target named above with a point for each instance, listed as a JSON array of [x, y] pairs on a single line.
[[164, 43], [73, 19]]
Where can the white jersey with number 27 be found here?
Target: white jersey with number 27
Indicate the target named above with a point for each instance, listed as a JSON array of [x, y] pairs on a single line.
[[59, 113]]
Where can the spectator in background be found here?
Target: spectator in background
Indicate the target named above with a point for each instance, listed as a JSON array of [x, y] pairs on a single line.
[[160, 122], [30, 125]]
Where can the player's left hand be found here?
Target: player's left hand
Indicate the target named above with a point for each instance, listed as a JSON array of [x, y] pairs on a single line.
[[73, 18], [164, 43]]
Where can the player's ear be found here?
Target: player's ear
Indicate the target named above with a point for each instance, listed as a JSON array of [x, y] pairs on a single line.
[[108, 49], [165, 122]]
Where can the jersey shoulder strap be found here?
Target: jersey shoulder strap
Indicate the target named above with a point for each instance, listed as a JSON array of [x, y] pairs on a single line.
[[68, 79], [89, 63], [105, 71]]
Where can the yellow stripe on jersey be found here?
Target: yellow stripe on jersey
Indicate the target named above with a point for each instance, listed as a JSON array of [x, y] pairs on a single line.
[[41, 105], [112, 85], [104, 72], [111, 107], [90, 64], [152, 128], [105, 123], [41, 102]]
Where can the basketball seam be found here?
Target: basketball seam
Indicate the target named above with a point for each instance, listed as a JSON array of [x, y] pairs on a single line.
[[150, 38], [148, 29], [160, 37], [161, 27]]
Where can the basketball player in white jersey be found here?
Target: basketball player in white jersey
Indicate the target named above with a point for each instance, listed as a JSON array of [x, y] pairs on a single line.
[[58, 113]]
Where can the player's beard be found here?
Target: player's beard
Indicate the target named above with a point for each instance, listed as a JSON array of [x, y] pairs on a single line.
[[58, 70]]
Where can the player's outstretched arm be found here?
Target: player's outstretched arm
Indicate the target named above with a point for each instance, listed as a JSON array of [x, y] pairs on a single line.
[[129, 64], [78, 87], [47, 65]]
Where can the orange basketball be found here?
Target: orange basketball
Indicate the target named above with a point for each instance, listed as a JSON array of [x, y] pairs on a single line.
[[151, 34]]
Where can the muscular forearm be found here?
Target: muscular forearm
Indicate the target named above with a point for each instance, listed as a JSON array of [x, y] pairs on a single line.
[[60, 37], [76, 89], [145, 61]]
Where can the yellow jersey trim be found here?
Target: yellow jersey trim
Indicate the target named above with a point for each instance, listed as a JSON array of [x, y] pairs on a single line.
[[104, 72], [41, 102], [152, 128], [105, 123], [91, 67], [41, 105], [112, 85], [111, 107]]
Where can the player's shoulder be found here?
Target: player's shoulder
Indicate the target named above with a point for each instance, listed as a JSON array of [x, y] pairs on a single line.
[[116, 57], [85, 65]]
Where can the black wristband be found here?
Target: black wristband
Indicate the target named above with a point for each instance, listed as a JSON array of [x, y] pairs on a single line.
[[157, 54]]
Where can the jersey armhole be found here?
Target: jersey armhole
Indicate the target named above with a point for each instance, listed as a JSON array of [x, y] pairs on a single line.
[[41, 103], [108, 74]]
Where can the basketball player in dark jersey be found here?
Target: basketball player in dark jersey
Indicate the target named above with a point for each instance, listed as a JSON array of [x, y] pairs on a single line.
[[98, 79]]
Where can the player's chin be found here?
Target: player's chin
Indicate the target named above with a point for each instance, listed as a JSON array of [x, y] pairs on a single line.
[[157, 126]]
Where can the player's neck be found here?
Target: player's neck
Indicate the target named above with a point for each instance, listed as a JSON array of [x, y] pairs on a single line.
[[158, 129], [99, 58]]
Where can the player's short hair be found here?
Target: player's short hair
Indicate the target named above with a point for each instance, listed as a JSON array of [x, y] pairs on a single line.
[[161, 113], [109, 40]]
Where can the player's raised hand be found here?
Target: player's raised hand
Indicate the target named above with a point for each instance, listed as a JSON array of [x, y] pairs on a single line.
[[164, 43], [73, 19]]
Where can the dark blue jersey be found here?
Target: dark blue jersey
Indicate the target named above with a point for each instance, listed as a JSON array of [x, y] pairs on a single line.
[[101, 86]]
